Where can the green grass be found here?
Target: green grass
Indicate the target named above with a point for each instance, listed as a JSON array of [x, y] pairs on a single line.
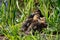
[[14, 14]]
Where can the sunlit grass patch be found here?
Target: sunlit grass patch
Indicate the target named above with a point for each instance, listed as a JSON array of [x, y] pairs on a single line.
[[13, 14]]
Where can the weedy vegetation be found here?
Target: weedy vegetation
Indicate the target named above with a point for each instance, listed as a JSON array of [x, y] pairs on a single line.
[[14, 12]]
